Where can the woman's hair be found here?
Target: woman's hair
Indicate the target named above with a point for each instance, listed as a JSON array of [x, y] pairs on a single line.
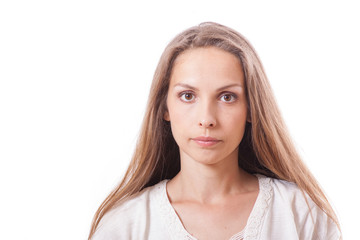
[[266, 147]]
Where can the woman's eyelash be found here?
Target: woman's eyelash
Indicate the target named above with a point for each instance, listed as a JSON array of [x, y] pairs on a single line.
[[187, 96], [233, 97]]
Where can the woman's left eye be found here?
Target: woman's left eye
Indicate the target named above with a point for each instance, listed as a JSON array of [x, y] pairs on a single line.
[[187, 96], [228, 97]]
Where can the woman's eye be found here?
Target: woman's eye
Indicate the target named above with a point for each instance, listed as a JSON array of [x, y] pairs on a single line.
[[228, 98], [187, 97]]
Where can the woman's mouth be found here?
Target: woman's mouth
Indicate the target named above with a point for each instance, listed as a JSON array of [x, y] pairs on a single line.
[[206, 141]]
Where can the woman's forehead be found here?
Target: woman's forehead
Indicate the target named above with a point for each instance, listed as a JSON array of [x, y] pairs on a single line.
[[210, 65]]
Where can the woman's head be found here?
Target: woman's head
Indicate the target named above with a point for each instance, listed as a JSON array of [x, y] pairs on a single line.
[[256, 91]]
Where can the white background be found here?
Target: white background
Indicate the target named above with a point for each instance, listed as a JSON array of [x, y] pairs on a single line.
[[74, 80]]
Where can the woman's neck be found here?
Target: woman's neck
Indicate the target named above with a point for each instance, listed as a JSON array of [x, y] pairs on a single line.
[[210, 183]]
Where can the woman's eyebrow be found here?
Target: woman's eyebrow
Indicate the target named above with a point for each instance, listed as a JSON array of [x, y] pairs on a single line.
[[184, 85], [229, 86]]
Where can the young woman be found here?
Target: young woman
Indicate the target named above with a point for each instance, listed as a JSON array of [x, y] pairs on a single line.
[[214, 159]]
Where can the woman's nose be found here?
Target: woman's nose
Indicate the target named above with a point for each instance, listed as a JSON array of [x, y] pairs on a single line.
[[207, 117], [207, 123]]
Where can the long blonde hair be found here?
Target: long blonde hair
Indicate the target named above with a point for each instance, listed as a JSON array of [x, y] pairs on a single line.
[[266, 147]]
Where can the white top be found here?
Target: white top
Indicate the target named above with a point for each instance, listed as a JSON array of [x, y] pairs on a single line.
[[280, 212]]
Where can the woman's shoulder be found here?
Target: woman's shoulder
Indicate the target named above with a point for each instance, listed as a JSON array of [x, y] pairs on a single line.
[[289, 195], [129, 216], [283, 192], [289, 191], [293, 205]]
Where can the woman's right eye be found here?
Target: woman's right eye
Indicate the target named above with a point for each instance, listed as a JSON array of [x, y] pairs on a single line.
[[187, 96]]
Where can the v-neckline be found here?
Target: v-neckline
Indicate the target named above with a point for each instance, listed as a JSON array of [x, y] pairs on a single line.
[[254, 221]]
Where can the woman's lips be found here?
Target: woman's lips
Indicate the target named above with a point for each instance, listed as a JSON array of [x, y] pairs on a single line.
[[206, 141]]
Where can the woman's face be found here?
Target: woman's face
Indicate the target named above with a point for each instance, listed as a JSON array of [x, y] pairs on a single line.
[[207, 107]]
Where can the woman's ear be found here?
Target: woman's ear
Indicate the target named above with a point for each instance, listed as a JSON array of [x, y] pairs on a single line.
[[167, 116], [248, 116]]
